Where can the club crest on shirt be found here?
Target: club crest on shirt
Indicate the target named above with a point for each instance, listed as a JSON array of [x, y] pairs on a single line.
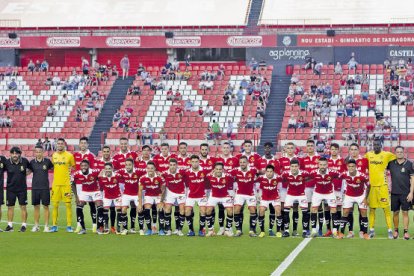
[[249, 175], [1, 165], [209, 162], [358, 181], [115, 181], [328, 178], [44, 167], [223, 181], [156, 182], [230, 162], [21, 168], [179, 176], [300, 178], [202, 174], [135, 176], [91, 178]]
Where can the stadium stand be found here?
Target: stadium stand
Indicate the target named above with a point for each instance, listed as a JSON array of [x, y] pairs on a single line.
[[348, 116]]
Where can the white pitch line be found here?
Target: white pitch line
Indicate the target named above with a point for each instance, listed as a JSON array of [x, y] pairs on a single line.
[[289, 259]]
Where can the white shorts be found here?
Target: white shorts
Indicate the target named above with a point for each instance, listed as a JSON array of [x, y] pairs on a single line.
[[152, 200], [201, 202], [79, 190], [282, 194], [90, 196], [317, 199], [339, 198], [350, 200], [301, 200], [112, 202], [226, 201], [173, 198], [127, 199], [249, 200], [266, 203], [309, 193]]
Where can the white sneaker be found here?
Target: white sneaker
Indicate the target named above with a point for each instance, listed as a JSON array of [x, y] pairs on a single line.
[[94, 228], [210, 233], [228, 233], [350, 235], [168, 233], [180, 233], [132, 231], [35, 228], [46, 229], [141, 232], [124, 232], [221, 231], [175, 232]]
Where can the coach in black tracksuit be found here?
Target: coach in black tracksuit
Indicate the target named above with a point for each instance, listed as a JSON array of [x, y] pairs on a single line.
[[17, 168]]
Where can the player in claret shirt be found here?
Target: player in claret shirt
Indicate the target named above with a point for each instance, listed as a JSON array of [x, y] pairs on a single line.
[[100, 165], [162, 160], [153, 186], [269, 159], [90, 191], [269, 196], [194, 179], [85, 154], [174, 195], [252, 157], [324, 191], [336, 163], [284, 163], [244, 177], [206, 161], [183, 158], [229, 163], [309, 163], [295, 179], [357, 190], [109, 183], [221, 186], [124, 153], [362, 167], [130, 178]]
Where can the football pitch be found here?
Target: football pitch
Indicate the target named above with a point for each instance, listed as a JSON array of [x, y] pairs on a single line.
[[91, 254]]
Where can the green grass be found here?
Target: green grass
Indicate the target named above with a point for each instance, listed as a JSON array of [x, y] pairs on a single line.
[[70, 254]]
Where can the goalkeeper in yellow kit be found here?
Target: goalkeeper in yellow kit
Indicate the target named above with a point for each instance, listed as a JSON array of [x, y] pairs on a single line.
[[379, 196], [63, 162]]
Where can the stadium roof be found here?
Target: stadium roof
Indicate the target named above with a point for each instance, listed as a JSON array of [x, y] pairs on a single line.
[[91, 13], [330, 12]]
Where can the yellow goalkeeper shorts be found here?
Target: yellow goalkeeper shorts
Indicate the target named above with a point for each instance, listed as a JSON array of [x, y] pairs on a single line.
[[379, 197]]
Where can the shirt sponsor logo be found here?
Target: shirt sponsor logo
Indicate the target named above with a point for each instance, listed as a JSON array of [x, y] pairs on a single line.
[[6, 42], [133, 41], [245, 41], [184, 41], [70, 41]]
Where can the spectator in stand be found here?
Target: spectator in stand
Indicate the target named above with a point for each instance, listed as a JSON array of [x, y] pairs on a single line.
[[324, 122], [19, 105], [44, 67], [349, 111], [84, 66], [148, 133], [233, 100], [188, 106], [229, 129], [56, 79], [209, 111], [170, 94], [98, 106], [51, 111], [301, 123], [350, 83], [89, 105], [220, 72], [290, 100], [260, 109], [31, 66], [177, 96], [371, 105], [64, 101], [39, 143], [187, 74], [117, 116], [364, 95], [317, 69], [352, 63], [340, 111], [310, 63], [240, 96], [243, 84], [226, 99], [292, 122], [338, 68], [394, 98], [200, 111], [123, 123], [124, 64], [162, 135], [250, 122], [47, 146], [179, 110], [95, 95], [140, 70], [85, 116], [356, 105], [395, 134], [12, 85], [8, 122], [253, 64], [37, 65], [216, 131], [259, 121]]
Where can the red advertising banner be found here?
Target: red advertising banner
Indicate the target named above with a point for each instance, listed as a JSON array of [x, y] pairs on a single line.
[[356, 40], [207, 41]]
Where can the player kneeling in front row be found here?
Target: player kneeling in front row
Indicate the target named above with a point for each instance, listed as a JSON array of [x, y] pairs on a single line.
[[174, 194], [151, 191], [109, 182], [357, 190], [90, 192], [221, 186], [269, 195]]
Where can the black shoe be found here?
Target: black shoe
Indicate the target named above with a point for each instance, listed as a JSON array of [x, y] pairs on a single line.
[[9, 229], [285, 234], [22, 229]]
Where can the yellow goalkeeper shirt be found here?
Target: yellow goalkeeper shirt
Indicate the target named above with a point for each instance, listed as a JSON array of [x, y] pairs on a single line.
[[62, 162], [377, 166]]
